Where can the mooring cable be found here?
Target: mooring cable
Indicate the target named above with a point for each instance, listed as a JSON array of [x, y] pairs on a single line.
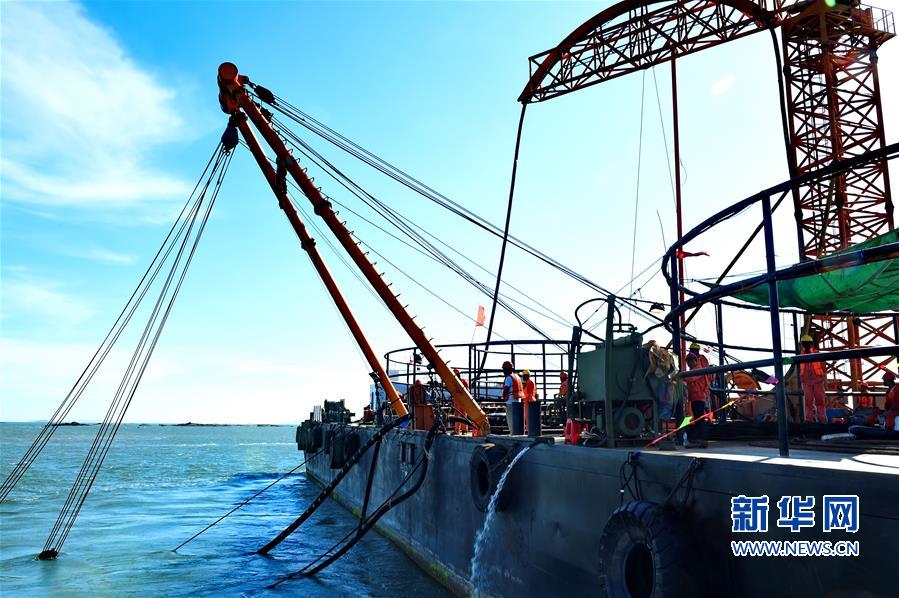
[[87, 467], [152, 346]]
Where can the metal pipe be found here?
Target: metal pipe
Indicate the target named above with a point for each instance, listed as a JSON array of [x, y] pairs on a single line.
[[798, 359], [719, 329], [773, 302], [607, 400], [677, 199]]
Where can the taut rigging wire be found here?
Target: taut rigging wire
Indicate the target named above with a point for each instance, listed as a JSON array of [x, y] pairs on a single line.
[[106, 345], [140, 358], [342, 142], [395, 219]]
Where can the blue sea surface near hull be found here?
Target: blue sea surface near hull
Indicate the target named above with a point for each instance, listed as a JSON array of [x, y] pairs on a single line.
[[159, 486]]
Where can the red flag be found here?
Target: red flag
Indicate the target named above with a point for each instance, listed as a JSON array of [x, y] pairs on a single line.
[[481, 317]]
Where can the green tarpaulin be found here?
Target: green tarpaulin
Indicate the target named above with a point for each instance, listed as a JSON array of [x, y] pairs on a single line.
[[864, 288]]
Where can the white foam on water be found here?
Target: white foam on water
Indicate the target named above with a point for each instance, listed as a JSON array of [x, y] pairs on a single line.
[[481, 539]]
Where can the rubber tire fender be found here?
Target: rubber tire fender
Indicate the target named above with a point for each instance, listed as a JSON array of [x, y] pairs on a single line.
[[352, 444], [643, 554], [338, 451], [316, 438], [488, 461], [302, 436]]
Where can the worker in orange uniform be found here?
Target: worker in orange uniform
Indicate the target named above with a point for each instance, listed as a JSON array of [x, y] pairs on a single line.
[[864, 400], [890, 401], [563, 386], [562, 396], [513, 390], [701, 360], [812, 377], [697, 396], [529, 393], [459, 427]]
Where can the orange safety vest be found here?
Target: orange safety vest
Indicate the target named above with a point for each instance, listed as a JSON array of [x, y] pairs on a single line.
[[563, 389], [530, 391], [697, 386], [465, 383], [813, 372], [864, 401], [516, 389], [891, 400]]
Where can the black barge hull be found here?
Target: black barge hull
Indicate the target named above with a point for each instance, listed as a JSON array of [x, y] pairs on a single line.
[[546, 542]]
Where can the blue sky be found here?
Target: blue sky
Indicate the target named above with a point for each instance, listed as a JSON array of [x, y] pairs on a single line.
[[109, 113]]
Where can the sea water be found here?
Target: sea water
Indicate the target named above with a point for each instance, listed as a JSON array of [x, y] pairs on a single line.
[[477, 573], [158, 487]]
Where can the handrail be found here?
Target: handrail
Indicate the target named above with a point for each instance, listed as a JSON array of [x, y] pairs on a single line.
[[770, 277]]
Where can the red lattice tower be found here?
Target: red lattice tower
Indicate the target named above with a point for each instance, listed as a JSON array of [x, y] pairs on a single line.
[[833, 92]]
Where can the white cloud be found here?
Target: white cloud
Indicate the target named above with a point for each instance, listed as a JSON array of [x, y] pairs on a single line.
[[722, 85], [79, 116], [44, 300], [99, 254]]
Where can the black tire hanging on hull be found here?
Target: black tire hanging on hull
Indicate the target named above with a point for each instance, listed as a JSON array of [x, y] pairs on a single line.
[[338, 450], [488, 461], [316, 438], [643, 554]]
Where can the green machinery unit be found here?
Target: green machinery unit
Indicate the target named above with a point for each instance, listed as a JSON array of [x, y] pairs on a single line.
[[613, 386]]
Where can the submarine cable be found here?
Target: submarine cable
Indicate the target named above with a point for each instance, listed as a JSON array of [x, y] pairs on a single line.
[[326, 492], [365, 525]]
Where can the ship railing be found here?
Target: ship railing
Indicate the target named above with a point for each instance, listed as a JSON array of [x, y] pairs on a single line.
[[718, 296], [544, 358]]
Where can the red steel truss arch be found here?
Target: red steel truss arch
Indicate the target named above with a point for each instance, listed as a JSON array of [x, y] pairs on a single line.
[[636, 34], [833, 109]]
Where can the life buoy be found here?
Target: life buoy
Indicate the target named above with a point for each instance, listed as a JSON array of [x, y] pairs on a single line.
[[643, 555], [487, 464]]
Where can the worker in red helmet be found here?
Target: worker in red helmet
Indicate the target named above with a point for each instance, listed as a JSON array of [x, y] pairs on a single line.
[[513, 390], [890, 401], [459, 427], [812, 377]]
